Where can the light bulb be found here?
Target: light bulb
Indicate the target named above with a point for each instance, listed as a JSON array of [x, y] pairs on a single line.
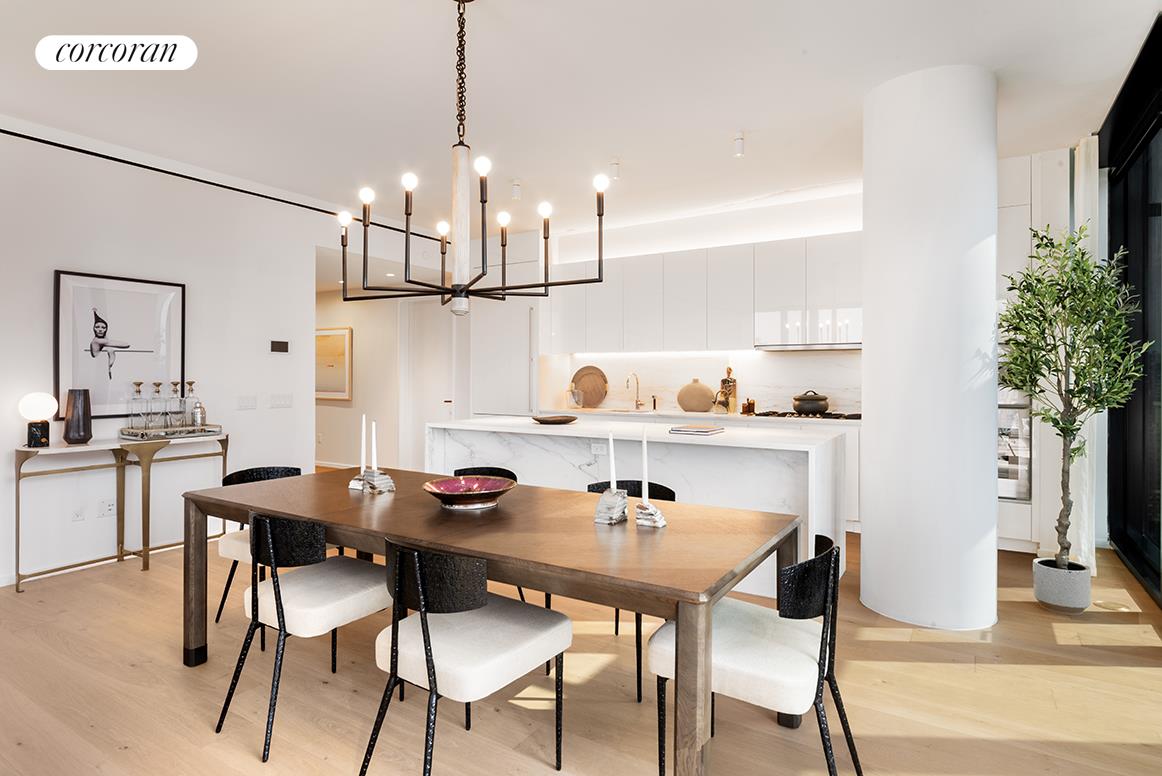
[[601, 182], [483, 165], [37, 406], [367, 195], [545, 209], [409, 181], [442, 228], [503, 218], [344, 219], [739, 146]]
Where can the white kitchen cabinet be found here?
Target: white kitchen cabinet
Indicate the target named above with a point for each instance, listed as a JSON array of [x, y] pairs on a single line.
[[603, 311], [684, 300], [833, 289], [504, 348], [568, 306], [730, 298], [641, 297], [780, 292]]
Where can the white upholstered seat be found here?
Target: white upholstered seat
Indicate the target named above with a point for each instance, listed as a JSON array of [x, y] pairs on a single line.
[[756, 656], [478, 652], [323, 596]]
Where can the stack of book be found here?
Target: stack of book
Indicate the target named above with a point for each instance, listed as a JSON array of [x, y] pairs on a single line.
[[696, 429]]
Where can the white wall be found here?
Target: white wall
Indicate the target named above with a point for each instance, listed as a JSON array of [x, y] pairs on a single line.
[[249, 269], [375, 381]]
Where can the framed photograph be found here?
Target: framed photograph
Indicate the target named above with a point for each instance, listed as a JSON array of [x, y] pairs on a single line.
[[333, 364], [110, 331]]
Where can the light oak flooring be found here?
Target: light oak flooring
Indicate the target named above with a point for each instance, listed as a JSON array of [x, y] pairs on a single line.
[[91, 681]]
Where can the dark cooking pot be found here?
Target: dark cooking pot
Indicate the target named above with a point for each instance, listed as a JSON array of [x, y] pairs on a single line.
[[810, 403]]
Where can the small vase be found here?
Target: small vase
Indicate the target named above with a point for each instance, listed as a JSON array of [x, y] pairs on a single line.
[[78, 417]]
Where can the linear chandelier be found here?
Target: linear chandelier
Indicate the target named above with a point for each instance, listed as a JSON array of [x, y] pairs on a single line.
[[458, 234]]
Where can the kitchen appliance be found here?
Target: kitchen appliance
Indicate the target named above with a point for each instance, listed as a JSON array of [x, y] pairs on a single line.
[[810, 416], [810, 403]]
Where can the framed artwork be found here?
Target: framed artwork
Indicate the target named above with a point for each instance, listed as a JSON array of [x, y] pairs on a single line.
[[110, 331], [333, 364]]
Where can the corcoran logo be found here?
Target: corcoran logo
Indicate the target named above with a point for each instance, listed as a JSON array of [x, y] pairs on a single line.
[[116, 52]]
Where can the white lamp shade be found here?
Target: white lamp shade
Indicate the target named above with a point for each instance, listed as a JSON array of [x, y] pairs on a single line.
[[37, 406]]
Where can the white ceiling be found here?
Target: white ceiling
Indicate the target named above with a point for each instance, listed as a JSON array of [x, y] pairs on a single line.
[[324, 97]]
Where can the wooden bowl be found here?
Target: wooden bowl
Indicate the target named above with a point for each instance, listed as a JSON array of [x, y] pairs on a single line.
[[474, 492], [554, 420]]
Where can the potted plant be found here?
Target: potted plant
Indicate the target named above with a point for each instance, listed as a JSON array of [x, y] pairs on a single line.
[[1065, 341]]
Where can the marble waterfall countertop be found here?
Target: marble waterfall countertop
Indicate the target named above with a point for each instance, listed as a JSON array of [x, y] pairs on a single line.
[[630, 429], [681, 416], [769, 467]]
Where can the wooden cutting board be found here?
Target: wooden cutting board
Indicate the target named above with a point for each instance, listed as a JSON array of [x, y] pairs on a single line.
[[592, 384]]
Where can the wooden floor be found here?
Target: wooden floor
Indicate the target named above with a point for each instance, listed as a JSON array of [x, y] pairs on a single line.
[[91, 681]]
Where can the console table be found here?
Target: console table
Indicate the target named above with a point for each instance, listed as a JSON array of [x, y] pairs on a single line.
[[125, 453]]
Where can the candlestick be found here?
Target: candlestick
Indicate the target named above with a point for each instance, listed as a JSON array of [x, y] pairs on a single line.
[[645, 469], [612, 465], [374, 448], [363, 446]]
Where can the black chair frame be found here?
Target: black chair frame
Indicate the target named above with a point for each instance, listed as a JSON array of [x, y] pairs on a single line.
[[805, 590], [402, 556], [633, 489]]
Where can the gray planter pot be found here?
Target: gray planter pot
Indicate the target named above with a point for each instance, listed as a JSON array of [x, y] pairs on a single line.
[[1062, 590]]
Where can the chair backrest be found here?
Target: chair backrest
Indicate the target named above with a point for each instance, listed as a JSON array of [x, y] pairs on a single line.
[[807, 589], [452, 583], [260, 473], [485, 471], [291, 542], [633, 489]]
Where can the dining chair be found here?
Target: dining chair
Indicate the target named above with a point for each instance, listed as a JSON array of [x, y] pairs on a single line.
[[777, 659], [460, 654], [320, 596], [234, 546], [633, 489], [497, 471]]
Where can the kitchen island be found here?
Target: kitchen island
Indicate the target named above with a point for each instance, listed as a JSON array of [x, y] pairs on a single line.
[[791, 471]]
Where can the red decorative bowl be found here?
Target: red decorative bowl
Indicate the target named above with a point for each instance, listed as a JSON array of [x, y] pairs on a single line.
[[469, 492]]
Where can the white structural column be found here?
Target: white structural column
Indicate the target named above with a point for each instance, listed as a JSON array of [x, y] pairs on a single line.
[[928, 500]]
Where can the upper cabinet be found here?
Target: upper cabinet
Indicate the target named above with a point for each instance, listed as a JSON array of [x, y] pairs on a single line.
[[780, 292], [834, 284], [568, 307], [684, 300], [641, 300], [730, 298], [603, 311]]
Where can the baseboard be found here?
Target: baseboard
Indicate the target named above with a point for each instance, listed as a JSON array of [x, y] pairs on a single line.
[[334, 465]]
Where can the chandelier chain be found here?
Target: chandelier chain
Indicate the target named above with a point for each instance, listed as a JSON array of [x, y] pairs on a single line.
[[461, 74]]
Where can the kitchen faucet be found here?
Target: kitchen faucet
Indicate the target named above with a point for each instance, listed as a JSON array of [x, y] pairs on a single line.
[[637, 387]]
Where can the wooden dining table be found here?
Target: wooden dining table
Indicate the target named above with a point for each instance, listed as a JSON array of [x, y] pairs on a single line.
[[540, 538]]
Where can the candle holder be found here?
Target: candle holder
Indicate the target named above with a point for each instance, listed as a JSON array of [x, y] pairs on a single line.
[[612, 507], [376, 481], [648, 515]]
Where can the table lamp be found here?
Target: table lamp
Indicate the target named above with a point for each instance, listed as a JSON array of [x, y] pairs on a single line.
[[37, 408]]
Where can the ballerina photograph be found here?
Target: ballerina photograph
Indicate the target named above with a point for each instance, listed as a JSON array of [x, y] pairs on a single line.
[[112, 331]]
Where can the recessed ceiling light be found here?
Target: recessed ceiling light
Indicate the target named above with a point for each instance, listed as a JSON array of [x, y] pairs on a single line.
[[739, 145]]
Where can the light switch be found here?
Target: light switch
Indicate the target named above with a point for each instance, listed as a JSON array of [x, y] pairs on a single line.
[[248, 402]]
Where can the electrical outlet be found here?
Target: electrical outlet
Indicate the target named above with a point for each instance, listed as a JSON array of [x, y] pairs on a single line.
[[247, 402], [598, 448], [319, 438], [281, 401], [78, 515], [106, 507]]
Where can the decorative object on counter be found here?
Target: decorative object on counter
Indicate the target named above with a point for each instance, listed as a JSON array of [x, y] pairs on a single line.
[[574, 397], [138, 408], [697, 429], [613, 504], [645, 513], [748, 407], [198, 414], [463, 283], [728, 390], [1067, 341], [109, 328], [593, 385], [182, 432], [175, 406], [158, 410], [810, 403], [191, 401], [37, 408], [696, 396], [554, 420], [469, 493], [78, 417], [333, 364]]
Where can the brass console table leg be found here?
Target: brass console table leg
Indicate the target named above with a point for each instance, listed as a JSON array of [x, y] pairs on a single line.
[[22, 456], [145, 452], [120, 456]]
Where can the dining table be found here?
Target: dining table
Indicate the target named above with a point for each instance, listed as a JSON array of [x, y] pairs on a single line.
[[540, 538]]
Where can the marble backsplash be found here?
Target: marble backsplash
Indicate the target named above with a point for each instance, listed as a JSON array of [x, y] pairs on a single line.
[[770, 378]]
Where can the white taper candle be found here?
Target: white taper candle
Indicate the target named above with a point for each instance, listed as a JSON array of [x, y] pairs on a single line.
[[363, 446], [612, 465], [645, 469], [374, 449]]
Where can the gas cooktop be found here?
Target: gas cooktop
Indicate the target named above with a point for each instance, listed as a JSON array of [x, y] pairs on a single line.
[[827, 415]]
